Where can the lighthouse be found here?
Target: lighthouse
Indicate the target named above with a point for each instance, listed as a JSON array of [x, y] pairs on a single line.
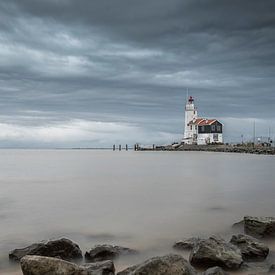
[[200, 131], [191, 114]]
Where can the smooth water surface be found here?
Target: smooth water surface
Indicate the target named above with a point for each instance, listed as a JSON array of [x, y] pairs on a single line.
[[144, 200]]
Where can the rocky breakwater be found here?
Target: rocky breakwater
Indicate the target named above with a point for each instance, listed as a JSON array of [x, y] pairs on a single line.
[[243, 252], [54, 258], [213, 256]]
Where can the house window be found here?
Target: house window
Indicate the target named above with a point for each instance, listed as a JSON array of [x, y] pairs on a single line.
[[219, 128], [190, 127], [213, 127], [215, 137], [202, 128]]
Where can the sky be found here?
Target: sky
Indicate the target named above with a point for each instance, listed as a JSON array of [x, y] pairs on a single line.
[[91, 73]]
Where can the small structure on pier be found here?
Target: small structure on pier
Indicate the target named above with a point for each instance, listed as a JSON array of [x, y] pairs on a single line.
[[200, 131]]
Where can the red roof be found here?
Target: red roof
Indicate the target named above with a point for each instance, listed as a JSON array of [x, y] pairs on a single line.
[[203, 121]]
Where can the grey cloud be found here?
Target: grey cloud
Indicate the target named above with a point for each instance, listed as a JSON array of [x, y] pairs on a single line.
[[130, 61]]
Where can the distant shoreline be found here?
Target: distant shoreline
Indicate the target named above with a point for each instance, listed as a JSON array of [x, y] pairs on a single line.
[[170, 148], [214, 148]]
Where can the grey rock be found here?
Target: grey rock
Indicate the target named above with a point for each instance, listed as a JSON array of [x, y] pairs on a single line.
[[107, 252], [251, 248], [186, 244], [166, 265], [61, 248], [38, 265], [216, 270], [100, 268], [259, 226], [216, 252]]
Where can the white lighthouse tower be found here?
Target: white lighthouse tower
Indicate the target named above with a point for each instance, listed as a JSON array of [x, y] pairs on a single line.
[[191, 114]]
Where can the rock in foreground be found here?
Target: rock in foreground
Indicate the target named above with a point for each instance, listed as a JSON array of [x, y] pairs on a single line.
[[107, 252], [186, 244], [259, 226], [61, 248], [40, 265], [215, 271], [251, 248], [166, 265], [216, 252]]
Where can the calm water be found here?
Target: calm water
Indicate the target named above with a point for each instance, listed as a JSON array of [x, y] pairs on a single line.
[[144, 200]]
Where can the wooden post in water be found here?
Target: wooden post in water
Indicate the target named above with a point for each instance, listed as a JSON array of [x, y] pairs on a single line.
[[153, 146], [119, 147], [126, 147], [114, 147]]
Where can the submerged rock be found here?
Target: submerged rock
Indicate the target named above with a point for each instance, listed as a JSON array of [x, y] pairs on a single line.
[[61, 248], [107, 252], [216, 252], [186, 244], [38, 265], [251, 248], [259, 226], [216, 270], [166, 265]]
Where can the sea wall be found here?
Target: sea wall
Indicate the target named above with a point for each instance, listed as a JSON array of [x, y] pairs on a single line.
[[214, 148]]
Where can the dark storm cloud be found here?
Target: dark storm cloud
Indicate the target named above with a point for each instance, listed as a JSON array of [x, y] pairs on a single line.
[[129, 62]]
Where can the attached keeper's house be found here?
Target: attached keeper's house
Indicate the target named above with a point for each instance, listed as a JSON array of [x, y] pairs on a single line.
[[200, 131]]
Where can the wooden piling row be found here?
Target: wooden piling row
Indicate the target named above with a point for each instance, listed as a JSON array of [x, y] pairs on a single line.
[[120, 147]]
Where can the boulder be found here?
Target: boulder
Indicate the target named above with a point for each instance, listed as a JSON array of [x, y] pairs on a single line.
[[259, 226], [38, 265], [216, 270], [166, 265], [186, 244], [61, 248], [216, 252], [107, 252], [251, 248]]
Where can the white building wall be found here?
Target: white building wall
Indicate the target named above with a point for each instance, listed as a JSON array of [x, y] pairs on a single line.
[[204, 139]]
